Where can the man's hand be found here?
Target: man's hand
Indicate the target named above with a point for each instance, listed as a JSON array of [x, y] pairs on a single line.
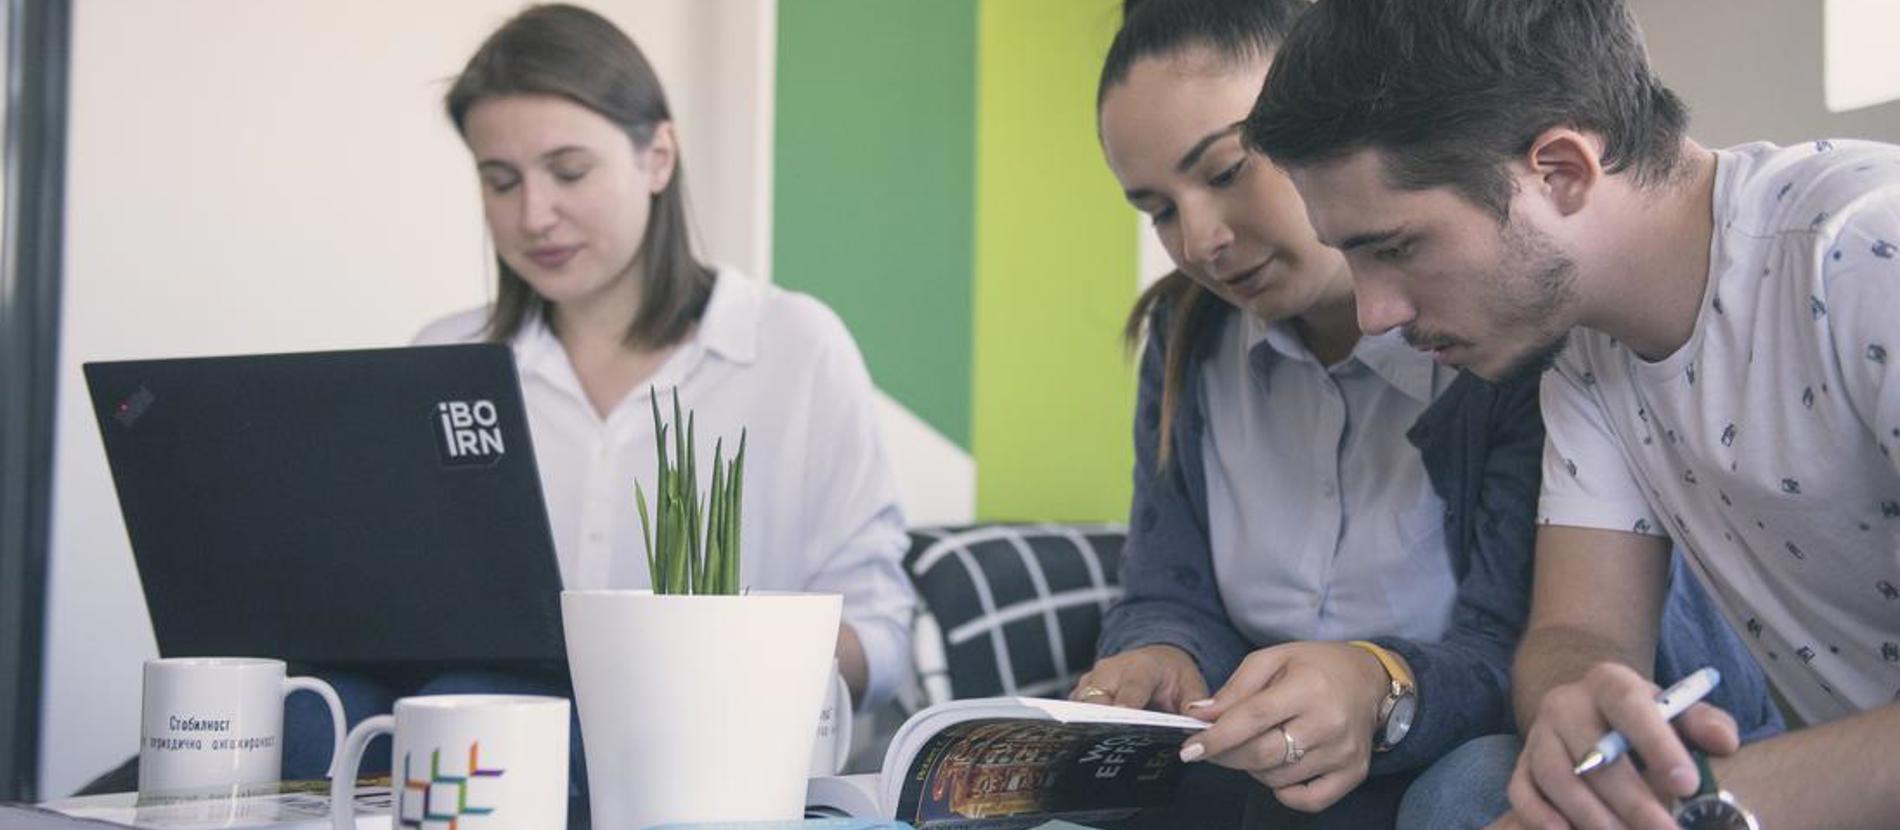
[[1545, 790], [1160, 677]]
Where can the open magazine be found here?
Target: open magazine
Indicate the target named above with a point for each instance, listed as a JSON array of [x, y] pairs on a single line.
[[1007, 762], [289, 805]]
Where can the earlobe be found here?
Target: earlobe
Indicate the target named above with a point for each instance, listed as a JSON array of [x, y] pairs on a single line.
[[1569, 165]]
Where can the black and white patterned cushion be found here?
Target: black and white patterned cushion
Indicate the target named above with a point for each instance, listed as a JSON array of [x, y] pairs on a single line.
[[1010, 609]]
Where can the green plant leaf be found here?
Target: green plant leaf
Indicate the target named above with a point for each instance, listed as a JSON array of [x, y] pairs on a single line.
[[737, 500], [691, 537], [646, 533]]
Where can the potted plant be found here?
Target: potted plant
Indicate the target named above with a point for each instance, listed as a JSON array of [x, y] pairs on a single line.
[[698, 699]]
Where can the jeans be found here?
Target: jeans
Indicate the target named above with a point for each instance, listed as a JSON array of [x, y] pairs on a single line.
[[1371, 805], [307, 732], [1464, 789]]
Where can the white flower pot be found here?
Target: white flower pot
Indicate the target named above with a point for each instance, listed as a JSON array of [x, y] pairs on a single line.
[[698, 708]]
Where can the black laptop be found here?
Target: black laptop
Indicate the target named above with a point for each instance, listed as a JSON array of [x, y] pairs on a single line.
[[346, 508]]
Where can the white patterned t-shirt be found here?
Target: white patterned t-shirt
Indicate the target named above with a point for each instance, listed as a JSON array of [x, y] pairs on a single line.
[[1766, 446]]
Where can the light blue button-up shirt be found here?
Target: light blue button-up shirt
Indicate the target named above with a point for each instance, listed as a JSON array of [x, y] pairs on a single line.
[[1322, 521]]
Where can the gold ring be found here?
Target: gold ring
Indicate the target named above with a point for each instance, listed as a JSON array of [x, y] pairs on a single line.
[[1293, 751], [1093, 691]]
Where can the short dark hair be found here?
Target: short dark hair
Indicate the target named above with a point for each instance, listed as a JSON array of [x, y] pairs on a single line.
[[1449, 90], [574, 53]]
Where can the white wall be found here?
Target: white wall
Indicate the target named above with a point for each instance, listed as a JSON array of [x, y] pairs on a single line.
[[263, 176], [1755, 70], [1859, 38]]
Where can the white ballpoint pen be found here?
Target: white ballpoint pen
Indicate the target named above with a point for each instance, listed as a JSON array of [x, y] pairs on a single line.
[[1670, 702]]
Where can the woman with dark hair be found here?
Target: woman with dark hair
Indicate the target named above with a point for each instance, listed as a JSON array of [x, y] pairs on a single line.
[[1334, 531], [600, 295], [603, 301]]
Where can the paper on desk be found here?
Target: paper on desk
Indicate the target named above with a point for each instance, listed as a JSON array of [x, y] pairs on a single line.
[[268, 807]]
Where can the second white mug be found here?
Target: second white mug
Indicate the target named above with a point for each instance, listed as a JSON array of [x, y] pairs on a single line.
[[476, 762]]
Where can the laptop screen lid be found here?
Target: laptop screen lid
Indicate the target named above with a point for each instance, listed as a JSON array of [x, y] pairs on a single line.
[[352, 507]]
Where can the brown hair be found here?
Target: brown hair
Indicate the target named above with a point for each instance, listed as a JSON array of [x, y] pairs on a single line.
[[1189, 306], [564, 50], [1235, 30]]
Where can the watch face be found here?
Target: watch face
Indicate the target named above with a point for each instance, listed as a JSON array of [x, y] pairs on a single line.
[[1712, 812], [1400, 721]]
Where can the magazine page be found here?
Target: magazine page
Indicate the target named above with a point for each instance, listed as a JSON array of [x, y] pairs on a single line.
[[1000, 773], [1069, 711], [295, 804], [919, 728], [1012, 762]]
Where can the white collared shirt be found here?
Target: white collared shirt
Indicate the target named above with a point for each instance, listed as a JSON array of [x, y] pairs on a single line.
[[1322, 521], [821, 510], [1768, 445]]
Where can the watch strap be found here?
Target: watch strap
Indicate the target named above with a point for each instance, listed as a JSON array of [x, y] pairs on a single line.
[[1705, 774], [1399, 687], [1394, 669]]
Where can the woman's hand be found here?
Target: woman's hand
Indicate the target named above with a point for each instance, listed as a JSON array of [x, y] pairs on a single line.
[[1160, 677], [1297, 717]]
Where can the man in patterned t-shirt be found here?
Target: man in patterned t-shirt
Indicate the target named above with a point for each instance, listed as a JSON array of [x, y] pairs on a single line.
[[1507, 177]]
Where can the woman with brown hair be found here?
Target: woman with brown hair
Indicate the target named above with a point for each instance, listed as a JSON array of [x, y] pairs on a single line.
[[600, 295], [601, 298]]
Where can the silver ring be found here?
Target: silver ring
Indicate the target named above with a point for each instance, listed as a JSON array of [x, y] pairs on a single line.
[[1094, 691], [1293, 751]]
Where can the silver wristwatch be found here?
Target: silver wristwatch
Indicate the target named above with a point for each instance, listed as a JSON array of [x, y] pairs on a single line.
[[1712, 808]]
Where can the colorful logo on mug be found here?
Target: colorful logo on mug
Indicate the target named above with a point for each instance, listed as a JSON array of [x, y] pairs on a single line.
[[440, 800]]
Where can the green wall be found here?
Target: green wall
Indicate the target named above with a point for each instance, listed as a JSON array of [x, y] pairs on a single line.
[[1055, 270], [938, 183], [873, 201]]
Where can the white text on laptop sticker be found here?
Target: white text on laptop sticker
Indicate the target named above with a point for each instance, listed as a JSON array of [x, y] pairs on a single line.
[[471, 433]]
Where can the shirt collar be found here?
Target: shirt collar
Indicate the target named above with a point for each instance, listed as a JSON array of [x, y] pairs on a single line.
[[1408, 370], [536, 349], [729, 327], [1387, 355]]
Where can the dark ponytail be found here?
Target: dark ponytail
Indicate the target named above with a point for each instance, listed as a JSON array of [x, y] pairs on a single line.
[[1189, 305]]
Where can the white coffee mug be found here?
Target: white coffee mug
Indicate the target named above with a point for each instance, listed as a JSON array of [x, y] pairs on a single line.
[[474, 762], [212, 722], [833, 746]]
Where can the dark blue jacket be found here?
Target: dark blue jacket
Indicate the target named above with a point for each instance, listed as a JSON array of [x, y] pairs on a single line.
[[1482, 446]]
